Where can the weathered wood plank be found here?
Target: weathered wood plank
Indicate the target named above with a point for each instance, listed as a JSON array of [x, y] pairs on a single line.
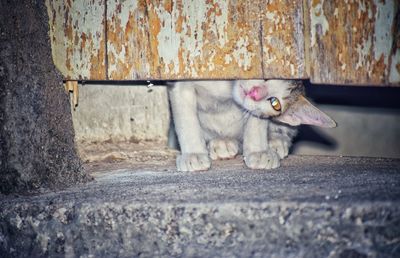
[[283, 39], [128, 44], [336, 42], [174, 39], [78, 38], [354, 41]]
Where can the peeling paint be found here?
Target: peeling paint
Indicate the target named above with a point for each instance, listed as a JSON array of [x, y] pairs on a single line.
[[129, 48], [356, 47], [183, 39], [283, 39], [363, 51], [394, 76], [383, 39], [318, 20], [124, 10], [177, 39], [77, 38], [347, 42], [241, 55], [172, 40]]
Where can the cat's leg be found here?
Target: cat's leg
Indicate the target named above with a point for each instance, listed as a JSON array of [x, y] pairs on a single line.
[[280, 146], [192, 162], [223, 148], [280, 138], [194, 154], [256, 152]]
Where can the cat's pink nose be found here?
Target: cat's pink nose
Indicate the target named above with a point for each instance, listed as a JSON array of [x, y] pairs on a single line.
[[256, 93]]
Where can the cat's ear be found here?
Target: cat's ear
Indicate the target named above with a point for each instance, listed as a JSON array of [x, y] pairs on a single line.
[[303, 112]]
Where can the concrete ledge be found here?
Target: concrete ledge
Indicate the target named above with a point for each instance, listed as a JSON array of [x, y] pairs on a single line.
[[121, 113], [310, 207]]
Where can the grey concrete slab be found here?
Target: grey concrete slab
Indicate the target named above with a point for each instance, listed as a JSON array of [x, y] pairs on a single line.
[[310, 207]]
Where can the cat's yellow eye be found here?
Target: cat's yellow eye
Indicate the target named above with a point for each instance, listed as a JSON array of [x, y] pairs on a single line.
[[276, 105]]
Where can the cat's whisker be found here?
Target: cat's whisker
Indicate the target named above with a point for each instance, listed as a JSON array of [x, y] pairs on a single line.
[[246, 114]]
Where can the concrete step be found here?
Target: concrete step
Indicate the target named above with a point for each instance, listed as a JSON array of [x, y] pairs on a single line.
[[310, 207]]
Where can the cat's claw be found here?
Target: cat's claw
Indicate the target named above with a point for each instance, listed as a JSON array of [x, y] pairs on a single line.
[[262, 160], [193, 162], [223, 149], [279, 146]]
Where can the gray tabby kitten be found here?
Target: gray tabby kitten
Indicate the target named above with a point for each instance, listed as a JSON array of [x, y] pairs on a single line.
[[220, 119]]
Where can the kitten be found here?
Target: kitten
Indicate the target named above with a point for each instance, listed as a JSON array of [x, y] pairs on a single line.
[[220, 119]]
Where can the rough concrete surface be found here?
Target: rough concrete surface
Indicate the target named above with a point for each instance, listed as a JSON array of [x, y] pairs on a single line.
[[36, 135], [121, 113], [310, 207]]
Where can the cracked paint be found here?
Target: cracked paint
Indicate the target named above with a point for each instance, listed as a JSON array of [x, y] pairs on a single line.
[[241, 55], [283, 39], [384, 18], [77, 38], [183, 39], [363, 51], [128, 47], [356, 47], [319, 23], [394, 76], [343, 42]]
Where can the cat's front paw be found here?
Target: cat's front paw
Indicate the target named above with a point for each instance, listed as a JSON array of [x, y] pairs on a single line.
[[193, 162], [223, 149], [262, 160], [279, 146]]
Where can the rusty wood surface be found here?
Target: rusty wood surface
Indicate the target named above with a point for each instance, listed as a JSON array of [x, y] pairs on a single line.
[[78, 38], [128, 44], [354, 41], [183, 39], [334, 42], [283, 39]]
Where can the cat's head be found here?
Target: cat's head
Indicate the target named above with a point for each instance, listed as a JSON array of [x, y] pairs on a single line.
[[280, 100]]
